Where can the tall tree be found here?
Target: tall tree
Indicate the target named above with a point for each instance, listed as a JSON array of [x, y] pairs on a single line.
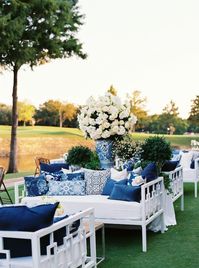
[[67, 111], [138, 104], [33, 32], [193, 118], [26, 112], [171, 109]]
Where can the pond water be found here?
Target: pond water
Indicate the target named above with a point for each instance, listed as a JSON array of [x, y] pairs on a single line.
[[25, 162]]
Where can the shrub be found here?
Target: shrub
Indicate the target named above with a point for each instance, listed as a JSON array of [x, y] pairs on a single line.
[[94, 162], [156, 149], [79, 155]]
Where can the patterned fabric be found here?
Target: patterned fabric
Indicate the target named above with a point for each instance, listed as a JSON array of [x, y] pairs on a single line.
[[95, 180], [67, 187], [76, 176], [56, 176], [36, 185]]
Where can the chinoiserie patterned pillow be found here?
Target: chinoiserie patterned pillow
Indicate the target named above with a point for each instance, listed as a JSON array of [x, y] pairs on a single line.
[[67, 187], [95, 180], [36, 186]]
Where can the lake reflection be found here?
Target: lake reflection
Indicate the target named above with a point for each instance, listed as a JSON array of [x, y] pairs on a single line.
[[25, 162]]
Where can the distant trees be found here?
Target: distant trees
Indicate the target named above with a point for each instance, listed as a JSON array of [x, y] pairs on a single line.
[[55, 113], [193, 118], [26, 112], [138, 104], [5, 114], [168, 122], [32, 33]]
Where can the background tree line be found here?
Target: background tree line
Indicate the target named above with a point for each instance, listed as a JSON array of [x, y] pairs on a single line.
[[64, 114]]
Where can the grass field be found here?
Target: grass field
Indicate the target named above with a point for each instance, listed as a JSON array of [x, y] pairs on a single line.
[[181, 141]]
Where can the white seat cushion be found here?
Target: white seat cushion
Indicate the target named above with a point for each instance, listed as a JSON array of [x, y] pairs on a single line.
[[104, 207]]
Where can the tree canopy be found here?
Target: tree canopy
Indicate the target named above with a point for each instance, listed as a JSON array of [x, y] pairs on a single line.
[[34, 32]]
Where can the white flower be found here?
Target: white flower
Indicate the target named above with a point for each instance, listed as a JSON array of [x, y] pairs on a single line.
[[105, 117]]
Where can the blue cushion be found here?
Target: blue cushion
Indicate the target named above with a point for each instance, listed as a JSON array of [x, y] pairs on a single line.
[[192, 165], [22, 218], [126, 193], [108, 187], [131, 176], [150, 172], [67, 188], [36, 185], [128, 165], [53, 167], [170, 165]]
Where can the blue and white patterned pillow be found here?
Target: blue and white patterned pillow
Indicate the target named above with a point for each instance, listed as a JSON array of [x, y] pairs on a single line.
[[74, 176], [56, 176], [67, 187], [36, 185], [95, 180]]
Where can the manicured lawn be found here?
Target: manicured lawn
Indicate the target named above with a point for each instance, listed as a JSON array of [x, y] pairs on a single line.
[[178, 247], [182, 141]]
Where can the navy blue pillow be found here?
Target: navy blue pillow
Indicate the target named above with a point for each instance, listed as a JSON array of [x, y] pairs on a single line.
[[108, 187], [170, 165], [22, 218], [126, 193], [150, 172], [36, 185], [53, 167], [192, 165], [129, 165]]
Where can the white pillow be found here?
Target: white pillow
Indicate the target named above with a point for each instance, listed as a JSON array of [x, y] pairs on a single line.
[[137, 170], [137, 181], [118, 175]]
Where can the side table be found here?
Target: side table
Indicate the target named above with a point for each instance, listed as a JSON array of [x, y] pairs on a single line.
[[98, 226]]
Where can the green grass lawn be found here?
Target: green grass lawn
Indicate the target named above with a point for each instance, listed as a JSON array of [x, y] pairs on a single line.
[[182, 141], [178, 247]]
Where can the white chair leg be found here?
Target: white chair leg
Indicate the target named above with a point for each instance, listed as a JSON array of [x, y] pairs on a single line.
[[163, 227], [182, 202], [144, 239], [196, 189]]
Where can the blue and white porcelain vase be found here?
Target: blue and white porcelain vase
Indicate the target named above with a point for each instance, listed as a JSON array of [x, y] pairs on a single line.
[[104, 152]]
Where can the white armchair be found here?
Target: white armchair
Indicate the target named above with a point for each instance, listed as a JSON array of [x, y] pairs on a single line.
[[191, 174]]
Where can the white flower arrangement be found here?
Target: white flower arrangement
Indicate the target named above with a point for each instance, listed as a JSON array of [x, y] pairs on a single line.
[[106, 117]]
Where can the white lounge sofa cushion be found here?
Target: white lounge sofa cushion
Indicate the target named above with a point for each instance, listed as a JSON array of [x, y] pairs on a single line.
[[104, 207]]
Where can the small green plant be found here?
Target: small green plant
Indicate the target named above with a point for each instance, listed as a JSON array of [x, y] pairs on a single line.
[[156, 149], [94, 162], [79, 155], [125, 148]]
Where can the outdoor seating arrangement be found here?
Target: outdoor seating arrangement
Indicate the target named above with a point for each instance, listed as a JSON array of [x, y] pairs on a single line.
[[86, 188]]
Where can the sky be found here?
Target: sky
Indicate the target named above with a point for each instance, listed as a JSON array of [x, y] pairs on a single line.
[[146, 45]]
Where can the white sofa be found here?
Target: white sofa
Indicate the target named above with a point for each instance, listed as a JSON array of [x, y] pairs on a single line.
[[73, 252], [108, 211]]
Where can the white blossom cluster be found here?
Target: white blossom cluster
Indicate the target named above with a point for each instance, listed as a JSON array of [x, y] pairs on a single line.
[[106, 117]]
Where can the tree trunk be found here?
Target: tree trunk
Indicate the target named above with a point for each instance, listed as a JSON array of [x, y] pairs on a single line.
[[13, 143], [60, 119]]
